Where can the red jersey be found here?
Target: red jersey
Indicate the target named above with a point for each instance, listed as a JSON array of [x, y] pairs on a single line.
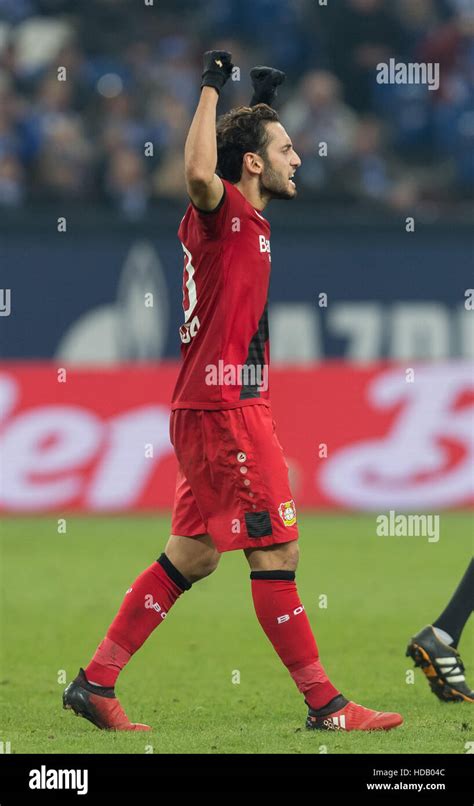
[[224, 337]]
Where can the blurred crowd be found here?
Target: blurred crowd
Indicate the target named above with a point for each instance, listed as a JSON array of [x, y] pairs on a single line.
[[96, 96]]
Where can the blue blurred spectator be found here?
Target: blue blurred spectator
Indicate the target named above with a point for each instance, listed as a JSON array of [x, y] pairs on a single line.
[[133, 79], [317, 116]]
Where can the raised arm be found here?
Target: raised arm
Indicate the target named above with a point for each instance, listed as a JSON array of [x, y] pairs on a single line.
[[200, 152]]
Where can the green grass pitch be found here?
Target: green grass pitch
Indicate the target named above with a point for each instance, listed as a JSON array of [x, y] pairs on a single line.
[[60, 592]]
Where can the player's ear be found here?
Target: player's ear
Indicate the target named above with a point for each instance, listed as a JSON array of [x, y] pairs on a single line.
[[253, 163]]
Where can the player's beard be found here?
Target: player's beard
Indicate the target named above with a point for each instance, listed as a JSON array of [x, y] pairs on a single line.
[[272, 184]]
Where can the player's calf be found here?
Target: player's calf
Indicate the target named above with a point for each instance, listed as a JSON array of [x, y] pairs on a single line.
[[283, 618]]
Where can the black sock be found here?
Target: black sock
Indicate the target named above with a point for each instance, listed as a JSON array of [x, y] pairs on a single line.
[[459, 607], [335, 704]]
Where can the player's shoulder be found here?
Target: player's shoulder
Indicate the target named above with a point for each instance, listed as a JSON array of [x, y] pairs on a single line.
[[230, 189], [233, 193], [231, 197], [213, 224], [228, 196], [236, 200]]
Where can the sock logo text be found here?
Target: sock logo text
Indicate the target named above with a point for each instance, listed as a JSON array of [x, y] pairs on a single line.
[[286, 617], [150, 604]]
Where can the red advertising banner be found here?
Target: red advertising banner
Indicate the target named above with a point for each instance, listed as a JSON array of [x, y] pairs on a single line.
[[359, 438]]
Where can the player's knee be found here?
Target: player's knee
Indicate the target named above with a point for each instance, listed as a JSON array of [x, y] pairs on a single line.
[[206, 566], [278, 557], [291, 556], [195, 558]]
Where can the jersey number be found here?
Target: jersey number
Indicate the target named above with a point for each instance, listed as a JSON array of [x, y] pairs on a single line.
[[191, 326]]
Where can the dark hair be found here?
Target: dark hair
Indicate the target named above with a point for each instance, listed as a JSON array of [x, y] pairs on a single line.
[[241, 130]]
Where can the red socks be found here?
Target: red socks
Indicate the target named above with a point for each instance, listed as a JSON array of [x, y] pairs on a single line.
[[283, 619], [277, 605], [145, 606]]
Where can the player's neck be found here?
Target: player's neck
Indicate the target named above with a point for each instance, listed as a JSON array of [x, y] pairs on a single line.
[[251, 192]]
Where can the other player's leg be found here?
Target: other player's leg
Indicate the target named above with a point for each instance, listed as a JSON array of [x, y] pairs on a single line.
[[146, 604], [434, 648]]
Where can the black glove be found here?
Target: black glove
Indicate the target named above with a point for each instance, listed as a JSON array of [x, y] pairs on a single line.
[[217, 69], [265, 81]]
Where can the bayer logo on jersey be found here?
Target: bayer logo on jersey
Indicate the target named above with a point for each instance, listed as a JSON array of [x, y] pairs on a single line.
[[265, 245]]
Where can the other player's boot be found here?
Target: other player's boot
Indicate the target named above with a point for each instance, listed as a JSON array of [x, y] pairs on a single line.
[[442, 665], [97, 704], [351, 717]]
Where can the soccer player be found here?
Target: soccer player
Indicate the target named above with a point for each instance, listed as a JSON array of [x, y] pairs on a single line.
[[435, 647], [232, 488]]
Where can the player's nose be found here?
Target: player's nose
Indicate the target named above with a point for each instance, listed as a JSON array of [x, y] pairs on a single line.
[[295, 162]]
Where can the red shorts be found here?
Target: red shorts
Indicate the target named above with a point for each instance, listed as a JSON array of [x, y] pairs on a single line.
[[232, 479]]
